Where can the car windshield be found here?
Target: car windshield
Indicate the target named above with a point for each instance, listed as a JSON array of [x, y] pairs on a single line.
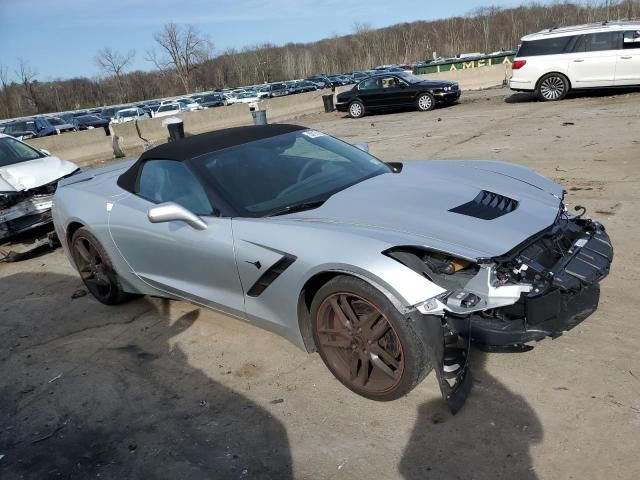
[[166, 108], [12, 151], [88, 118], [269, 176], [127, 113], [56, 121], [410, 77]]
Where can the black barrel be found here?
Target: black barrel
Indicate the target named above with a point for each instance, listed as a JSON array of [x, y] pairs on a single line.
[[328, 103]]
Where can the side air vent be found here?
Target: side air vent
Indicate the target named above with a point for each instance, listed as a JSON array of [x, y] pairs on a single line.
[[487, 206], [268, 277]]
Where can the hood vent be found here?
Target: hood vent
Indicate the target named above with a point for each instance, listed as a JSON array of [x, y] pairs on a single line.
[[487, 206]]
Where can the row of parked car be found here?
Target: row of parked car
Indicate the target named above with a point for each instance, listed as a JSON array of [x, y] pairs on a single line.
[[101, 117]]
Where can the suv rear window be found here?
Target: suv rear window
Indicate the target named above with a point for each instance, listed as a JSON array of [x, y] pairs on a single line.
[[547, 46]]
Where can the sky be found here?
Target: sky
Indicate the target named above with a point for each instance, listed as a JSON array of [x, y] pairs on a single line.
[[60, 38]]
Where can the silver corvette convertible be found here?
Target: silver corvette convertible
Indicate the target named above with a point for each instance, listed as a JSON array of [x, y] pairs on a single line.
[[388, 270]]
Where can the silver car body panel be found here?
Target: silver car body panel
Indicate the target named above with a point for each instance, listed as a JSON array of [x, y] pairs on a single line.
[[217, 267]]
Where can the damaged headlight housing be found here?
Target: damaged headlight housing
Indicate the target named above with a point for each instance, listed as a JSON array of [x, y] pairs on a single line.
[[469, 286]]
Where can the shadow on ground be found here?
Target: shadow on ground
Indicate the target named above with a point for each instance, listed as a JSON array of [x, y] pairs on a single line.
[[523, 97], [89, 390], [489, 438]]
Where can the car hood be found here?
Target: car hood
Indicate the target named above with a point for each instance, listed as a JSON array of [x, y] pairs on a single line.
[[413, 207], [34, 173]]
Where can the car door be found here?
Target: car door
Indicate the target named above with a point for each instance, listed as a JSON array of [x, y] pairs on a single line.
[[370, 92], [396, 92], [173, 257], [628, 65], [593, 63]]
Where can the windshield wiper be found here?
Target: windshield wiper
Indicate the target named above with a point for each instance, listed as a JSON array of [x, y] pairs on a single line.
[[295, 207]]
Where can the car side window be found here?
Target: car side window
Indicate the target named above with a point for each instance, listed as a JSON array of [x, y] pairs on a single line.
[[631, 39], [170, 181], [369, 84], [547, 46], [598, 42], [390, 82]]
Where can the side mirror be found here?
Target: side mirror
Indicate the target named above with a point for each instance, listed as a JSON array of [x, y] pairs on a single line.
[[362, 146], [171, 212], [46, 152]]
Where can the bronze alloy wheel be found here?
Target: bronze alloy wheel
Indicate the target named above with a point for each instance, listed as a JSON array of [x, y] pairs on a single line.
[[359, 344], [93, 269]]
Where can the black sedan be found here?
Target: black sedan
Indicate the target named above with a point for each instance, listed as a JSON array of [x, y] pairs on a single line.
[[87, 122], [396, 90]]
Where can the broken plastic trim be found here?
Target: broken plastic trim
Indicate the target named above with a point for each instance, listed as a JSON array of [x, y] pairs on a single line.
[[50, 242], [432, 331]]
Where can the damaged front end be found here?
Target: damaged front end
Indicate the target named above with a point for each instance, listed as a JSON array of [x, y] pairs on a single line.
[[541, 288], [24, 210]]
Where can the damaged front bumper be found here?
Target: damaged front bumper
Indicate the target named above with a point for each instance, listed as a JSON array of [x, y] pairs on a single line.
[[572, 295], [29, 213], [498, 313], [546, 287]]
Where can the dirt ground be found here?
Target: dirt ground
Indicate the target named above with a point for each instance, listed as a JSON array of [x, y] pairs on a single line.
[[163, 389]]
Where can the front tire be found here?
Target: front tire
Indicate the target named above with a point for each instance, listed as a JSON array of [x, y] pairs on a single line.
[[425, 102], [552, 87], [356, 109], [365, 342], [95, 268]]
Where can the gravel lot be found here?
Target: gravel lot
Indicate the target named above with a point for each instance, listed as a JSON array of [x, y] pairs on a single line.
[[160, 389]]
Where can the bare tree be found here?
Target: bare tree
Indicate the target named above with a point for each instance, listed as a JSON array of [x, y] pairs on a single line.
[[182, 49], [6, 104], [113, 64], [27, 75]]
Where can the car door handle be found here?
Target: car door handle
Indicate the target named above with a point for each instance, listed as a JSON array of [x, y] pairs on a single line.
[[626, 58], [577, 60]]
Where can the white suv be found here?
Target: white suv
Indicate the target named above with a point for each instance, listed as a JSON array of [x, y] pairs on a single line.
[[554, 61]]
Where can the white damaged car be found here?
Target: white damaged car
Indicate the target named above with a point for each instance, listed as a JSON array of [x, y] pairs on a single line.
[[28, 179]]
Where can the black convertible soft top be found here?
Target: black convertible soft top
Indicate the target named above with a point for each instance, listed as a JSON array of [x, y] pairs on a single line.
[[197, 145], [192, 147]]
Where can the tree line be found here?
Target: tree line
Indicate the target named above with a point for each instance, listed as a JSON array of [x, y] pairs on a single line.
[[183, 62]]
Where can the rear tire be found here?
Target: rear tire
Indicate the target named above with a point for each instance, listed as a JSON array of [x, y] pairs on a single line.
[[552, 87], [356, 109], [365, 342], [95, 268], [425, 102]]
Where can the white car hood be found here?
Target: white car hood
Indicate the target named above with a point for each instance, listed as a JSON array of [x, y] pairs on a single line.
[[23, 176]]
